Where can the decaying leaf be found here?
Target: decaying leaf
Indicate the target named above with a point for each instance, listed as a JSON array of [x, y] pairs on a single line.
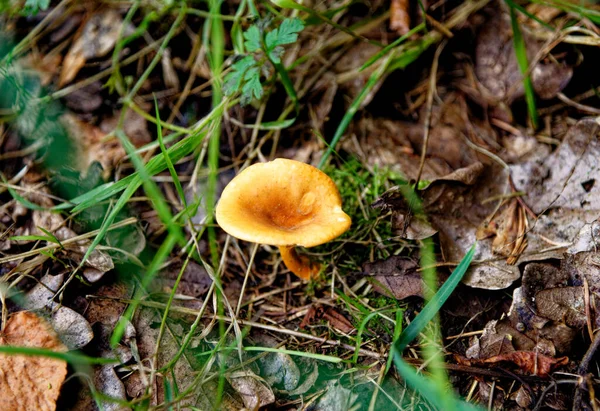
[[42, 294], [254, 392], [281, 370], [565, 304], [336, 397], [73, 328], [95, 39], [106, 381], [558, 187], [396, 277], [92, 144], [30, 382], [508, 228], [530, 362], [331, 315], [497, 68], [491, 343]]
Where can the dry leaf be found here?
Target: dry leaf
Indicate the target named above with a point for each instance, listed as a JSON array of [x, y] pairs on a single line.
[[530, 362], [490, 343], [317, 312], [396, 277], [95, 39], [497, 68], [30, 382], [92, 145], [564, 304]]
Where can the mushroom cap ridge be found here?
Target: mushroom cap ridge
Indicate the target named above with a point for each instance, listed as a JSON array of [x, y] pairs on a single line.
[[283, 203]]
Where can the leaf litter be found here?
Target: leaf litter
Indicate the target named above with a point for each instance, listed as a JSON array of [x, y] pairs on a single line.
[[528, 197]]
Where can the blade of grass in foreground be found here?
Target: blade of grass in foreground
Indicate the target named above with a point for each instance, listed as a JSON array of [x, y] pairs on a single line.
[[434, 305], [436, 395]]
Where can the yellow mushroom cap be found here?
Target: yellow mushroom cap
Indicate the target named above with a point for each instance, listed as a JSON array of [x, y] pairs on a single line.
[[283, 203]]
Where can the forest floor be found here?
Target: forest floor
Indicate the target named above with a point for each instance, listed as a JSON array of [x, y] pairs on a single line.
[[463, 138]]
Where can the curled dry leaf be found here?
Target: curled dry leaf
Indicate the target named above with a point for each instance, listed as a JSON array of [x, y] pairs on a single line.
[[490, 343], [530, 362], [253, 391], [30, 382]]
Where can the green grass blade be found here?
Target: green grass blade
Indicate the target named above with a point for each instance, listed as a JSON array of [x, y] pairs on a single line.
[[272, 125], [391, 46], [521, 52], [319, 357], [410, 52], [70, 357], [434, 305], [440, 397], [168, 161], [50, 239], [152, 190], [373, 79], [287, 84], [524, 11]]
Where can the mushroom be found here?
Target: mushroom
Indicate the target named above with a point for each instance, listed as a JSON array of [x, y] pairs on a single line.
[[284, 203]]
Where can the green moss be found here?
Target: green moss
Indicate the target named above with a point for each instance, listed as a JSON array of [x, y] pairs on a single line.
[[371, 235]]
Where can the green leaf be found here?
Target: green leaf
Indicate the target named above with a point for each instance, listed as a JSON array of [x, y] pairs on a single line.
[[288, 31], [252, 36], [276, 53], [235, 78], [252, 88], [34, 6]]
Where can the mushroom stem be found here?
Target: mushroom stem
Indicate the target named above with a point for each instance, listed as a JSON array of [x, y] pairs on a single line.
[[299, 265]]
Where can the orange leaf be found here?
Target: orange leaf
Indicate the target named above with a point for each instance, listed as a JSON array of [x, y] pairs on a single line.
[[30, 382]]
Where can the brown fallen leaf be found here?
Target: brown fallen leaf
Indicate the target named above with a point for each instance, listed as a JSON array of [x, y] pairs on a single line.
[[564, 304], [338, 321], [95, 39], [30, 382], [497, 68], [491, 343], [395, 277], [530, 362], [317, 312], [507, 228], [92, 145]]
